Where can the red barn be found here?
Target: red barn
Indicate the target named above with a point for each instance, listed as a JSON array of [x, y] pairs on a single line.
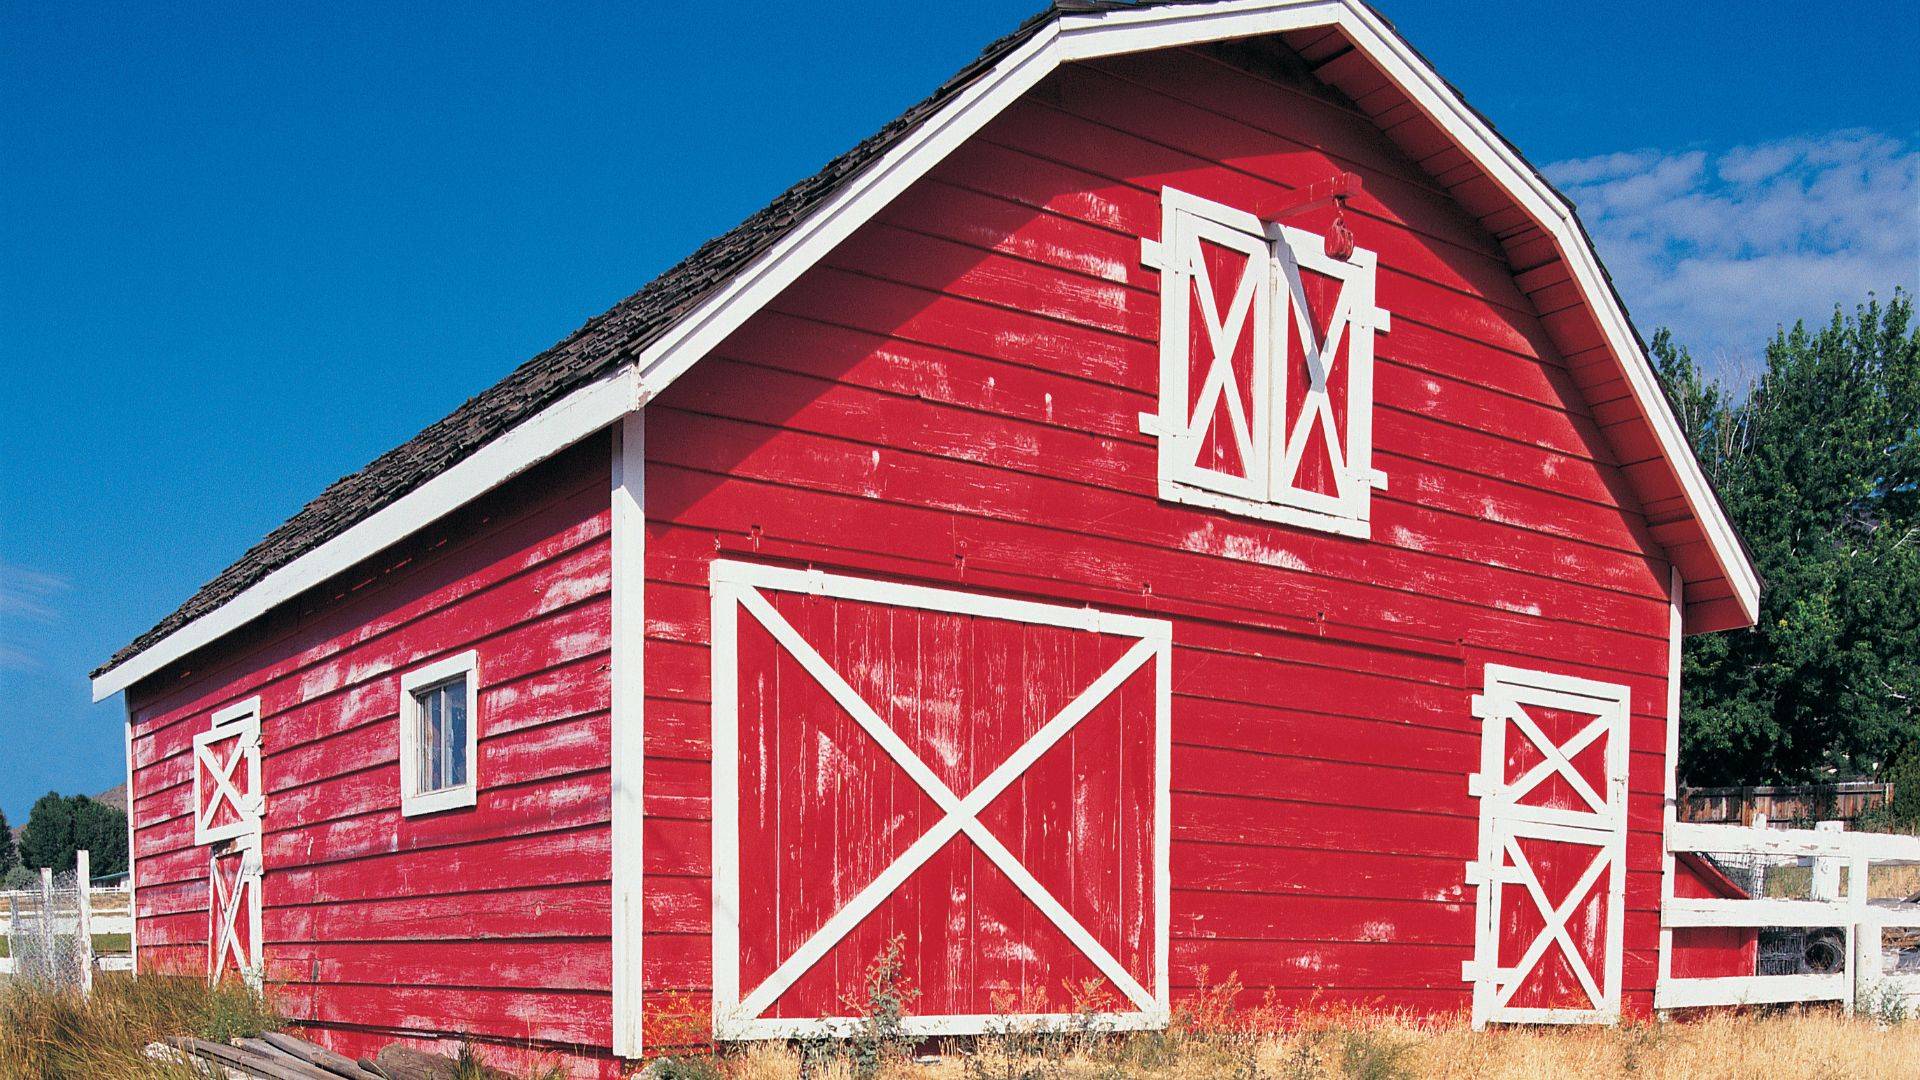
[[1182, 500]]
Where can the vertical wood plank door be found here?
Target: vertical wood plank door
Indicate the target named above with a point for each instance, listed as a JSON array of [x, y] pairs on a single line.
[[977, 782], [1551, 874]]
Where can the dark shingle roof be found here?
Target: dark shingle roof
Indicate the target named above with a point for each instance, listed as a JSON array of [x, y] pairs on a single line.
[[596, 348]]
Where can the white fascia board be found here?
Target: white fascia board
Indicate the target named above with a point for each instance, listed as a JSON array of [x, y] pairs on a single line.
[[548, 432], [1092, 35], [1552, 212], [1070, 37]]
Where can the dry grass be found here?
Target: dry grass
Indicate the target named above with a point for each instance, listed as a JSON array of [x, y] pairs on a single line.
[[48, 1036], [1885, 881], [1804, 1045]]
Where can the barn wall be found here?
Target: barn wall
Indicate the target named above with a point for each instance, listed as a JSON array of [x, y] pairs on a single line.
[[492, 920], [1703, 952], [953, 399]]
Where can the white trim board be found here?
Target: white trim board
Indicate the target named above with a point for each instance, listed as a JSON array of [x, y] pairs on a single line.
[[133, 856], [1069, 37], [627, 753], [738, 1012]]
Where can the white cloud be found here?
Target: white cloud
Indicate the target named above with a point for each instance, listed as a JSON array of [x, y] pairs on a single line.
[[1724, 247], [25, 598]]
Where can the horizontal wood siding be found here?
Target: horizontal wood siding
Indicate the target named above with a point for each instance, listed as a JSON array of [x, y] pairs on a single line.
[[953, 398], [490, 921]]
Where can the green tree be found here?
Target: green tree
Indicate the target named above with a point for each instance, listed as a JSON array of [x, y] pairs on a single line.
[[59, 825], [9, 857], [102, 830], [1819, 466]]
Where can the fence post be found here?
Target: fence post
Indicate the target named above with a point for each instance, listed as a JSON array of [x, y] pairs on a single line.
[[83, 936], [1863, 936], [1826, 868], [44, 927]]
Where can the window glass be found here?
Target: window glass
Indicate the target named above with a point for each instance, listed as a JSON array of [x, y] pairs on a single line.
[[442, 738]]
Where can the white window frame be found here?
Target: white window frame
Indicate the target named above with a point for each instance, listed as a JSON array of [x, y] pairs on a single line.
[[413, 801], [241, 722], [1271, 457]]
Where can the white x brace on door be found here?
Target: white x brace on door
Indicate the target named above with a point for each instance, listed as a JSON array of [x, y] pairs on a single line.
[[229, 802], [1266, 368], [995, 793], [1551, 873]]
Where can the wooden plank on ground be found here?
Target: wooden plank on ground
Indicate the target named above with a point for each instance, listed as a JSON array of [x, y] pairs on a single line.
[[319, 1056]]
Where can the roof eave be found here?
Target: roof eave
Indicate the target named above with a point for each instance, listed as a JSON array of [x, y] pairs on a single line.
[[988, 86]]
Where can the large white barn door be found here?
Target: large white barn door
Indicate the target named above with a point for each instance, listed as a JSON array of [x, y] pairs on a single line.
[[1551, 872], [978, 781], [228, 804]]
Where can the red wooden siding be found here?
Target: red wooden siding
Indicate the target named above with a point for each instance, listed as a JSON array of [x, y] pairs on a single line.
[[953, 398], [491, 921], [1701, 952]]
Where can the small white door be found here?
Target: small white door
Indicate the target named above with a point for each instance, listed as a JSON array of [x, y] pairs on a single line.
[[228, 804], [1551, 872]]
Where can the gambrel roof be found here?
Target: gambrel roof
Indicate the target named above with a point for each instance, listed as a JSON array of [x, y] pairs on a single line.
[[619, 360]]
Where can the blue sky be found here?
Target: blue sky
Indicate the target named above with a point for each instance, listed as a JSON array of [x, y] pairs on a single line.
[[245, 248]]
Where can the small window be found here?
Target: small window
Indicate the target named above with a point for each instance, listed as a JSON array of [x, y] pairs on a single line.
[[439, 735], [1266, 368]]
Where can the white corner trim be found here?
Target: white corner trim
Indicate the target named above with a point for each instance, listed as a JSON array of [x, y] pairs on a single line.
[[466, 667], [133, 895], [1670, 798], [628, 743], [548, 432]]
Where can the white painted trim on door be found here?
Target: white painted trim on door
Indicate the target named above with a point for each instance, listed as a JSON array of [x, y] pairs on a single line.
[[736, 587], [627, 751], [1504, 820], [240, 722]]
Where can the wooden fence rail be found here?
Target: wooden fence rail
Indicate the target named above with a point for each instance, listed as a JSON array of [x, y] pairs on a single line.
[[1830, 904]]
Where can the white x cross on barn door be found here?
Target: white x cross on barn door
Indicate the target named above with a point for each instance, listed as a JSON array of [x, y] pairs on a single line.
[[228, 803], [1266, 367], [981, 781], [1551, 872]]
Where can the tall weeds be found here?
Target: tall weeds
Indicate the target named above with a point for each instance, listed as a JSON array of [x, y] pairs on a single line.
[[46, 1035]]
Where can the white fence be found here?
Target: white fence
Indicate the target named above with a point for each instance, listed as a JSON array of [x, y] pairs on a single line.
[[1841, 864], [100, 911]]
